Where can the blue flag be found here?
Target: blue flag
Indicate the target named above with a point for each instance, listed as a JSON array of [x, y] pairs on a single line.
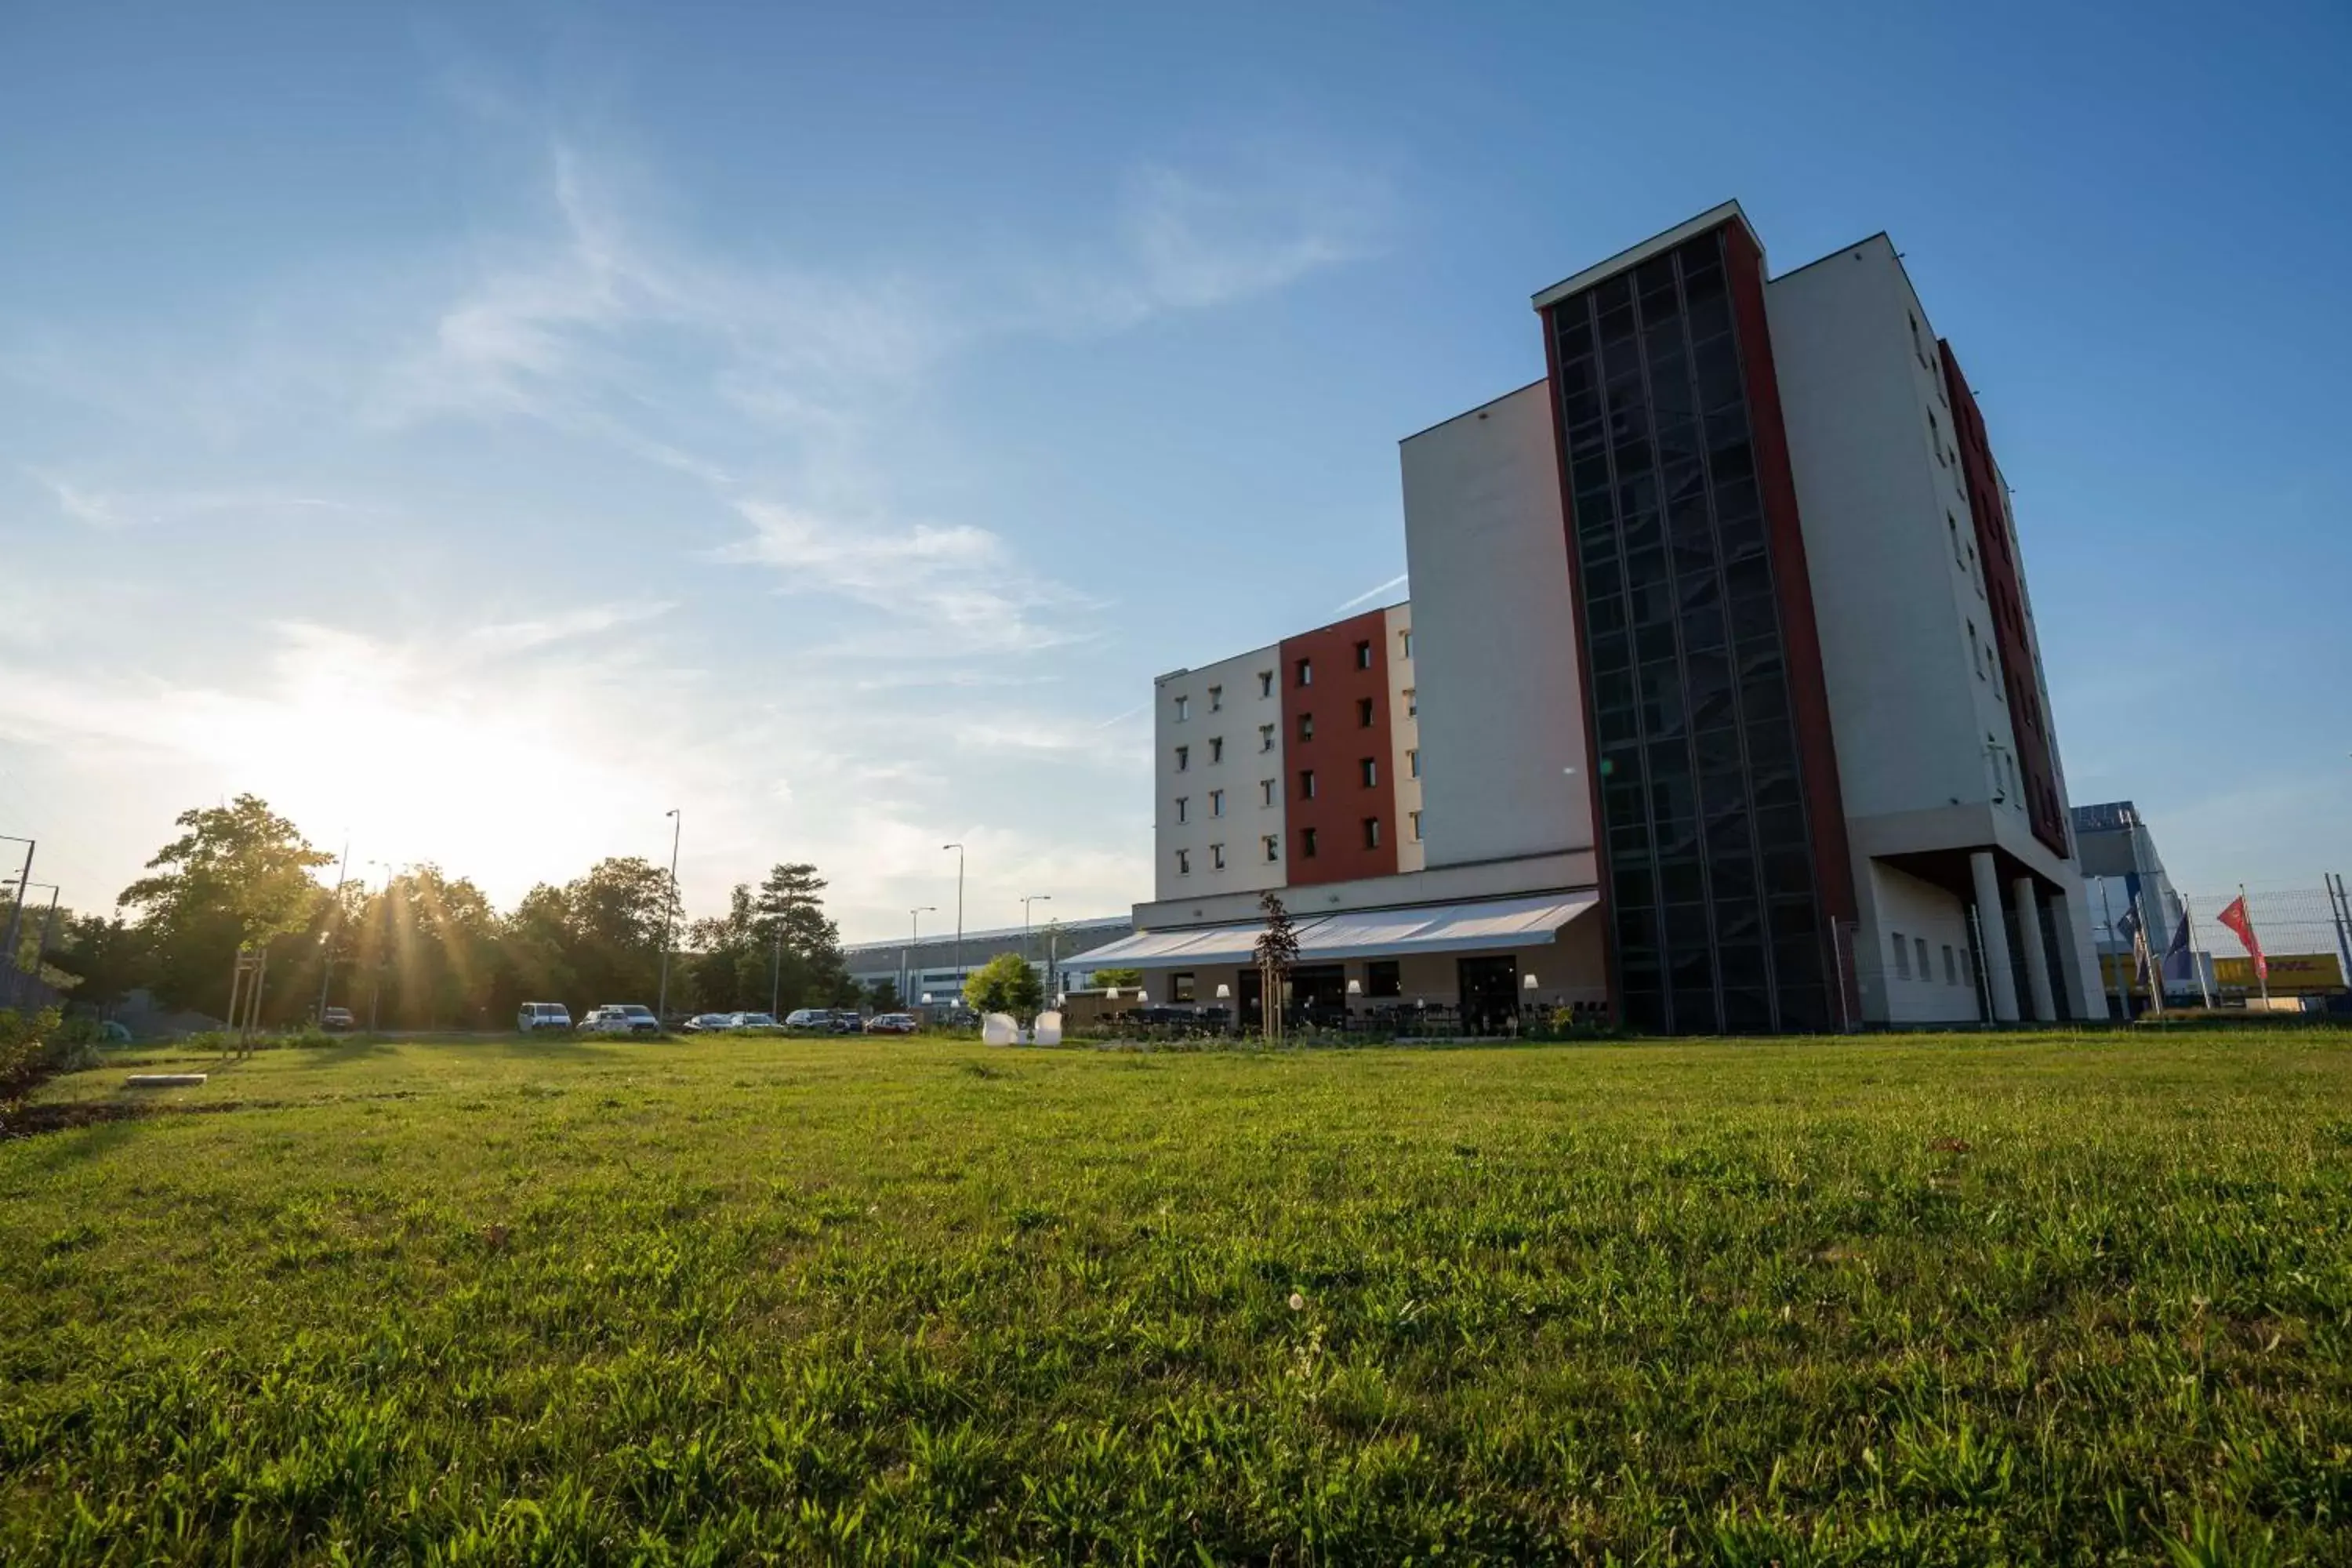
[[2179, 963]]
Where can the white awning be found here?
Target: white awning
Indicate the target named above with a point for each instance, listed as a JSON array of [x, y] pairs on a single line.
[[1359, 933], [1446, 927]]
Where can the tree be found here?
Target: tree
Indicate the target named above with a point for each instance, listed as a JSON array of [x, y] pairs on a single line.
[[1116, 975], [882, 997], [1275, 950], [109, 957], [1006, 984], [239, 875], [808, 968]]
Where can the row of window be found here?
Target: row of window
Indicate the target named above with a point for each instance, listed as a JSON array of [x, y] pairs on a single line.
[[1305, 672], [1310, 845], [1368, 773], [1903, 966], [1367, 715], [1382, 978]]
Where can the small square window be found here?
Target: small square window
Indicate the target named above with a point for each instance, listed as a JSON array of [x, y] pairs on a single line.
[[1371, 832], [1412, 703], [1217, 803], [1265, 683], [1180, 988], [1184, 808], [1183, 709], [1183, 758], [1265, 737], [1363, 712], [1369, 770], [1306, 843], [1306, 672], [1216, 699], [1216, 857], [1183, 862], [1416, 828], [1412, 762], [1306, 783], [1363, 655], [1265, 792], [1384, 977], [1216, 748], [1404, 643], [1273, 842], [1902, 958], [1307, 726]]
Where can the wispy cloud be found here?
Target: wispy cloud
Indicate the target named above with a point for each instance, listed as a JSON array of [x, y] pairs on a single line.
[[109, 509]]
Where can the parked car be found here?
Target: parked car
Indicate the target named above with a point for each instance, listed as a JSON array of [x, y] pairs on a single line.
[[891, 1023], [809, 1018], [752, 1021], [623, 1018], [709, 1023], [847, 1020], [533, 1016], [336, 1020]]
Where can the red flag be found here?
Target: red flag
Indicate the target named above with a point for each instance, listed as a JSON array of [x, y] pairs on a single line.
[[2234, 916]]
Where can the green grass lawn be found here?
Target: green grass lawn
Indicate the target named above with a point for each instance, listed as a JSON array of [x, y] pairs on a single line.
[[1887, 1301]]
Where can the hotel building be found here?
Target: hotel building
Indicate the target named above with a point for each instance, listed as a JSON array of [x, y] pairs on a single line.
[[1718, 702]]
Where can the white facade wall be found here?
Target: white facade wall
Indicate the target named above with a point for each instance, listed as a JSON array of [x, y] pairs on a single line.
[[1926, 746], [1231, 703], [1501, 715], [1903, 910], [1907, 633], [1404, 738]]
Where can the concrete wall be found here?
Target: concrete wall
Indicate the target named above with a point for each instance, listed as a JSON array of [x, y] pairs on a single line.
[[1405, 734], [1501, 715], [1217, 701], [1898, 906], [1915, 699]]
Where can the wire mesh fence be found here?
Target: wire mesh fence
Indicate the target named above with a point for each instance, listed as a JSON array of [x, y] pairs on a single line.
[[2302, 932]]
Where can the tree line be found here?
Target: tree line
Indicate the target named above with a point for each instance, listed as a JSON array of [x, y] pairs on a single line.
[[428, 949]]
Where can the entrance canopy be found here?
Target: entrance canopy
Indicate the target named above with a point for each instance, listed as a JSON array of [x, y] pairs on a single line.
[[1361, 933]]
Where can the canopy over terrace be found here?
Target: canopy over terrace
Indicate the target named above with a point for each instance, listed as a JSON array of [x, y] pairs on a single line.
[[1483, 955]]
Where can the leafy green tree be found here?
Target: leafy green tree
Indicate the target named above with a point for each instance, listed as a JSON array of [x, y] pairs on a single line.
[[1116, 975], [237, 874], [882, 997], [812, 973], [1006, 984], [107, 958], [428, 948]]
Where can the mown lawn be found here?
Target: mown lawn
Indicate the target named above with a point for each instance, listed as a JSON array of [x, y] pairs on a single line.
[[1902, 1302]]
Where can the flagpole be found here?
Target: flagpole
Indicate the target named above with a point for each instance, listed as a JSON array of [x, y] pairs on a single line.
[[2189, 916], [2261, 967], [2123, 995]]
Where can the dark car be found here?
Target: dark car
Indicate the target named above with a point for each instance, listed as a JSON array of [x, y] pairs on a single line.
[[848, 1021]]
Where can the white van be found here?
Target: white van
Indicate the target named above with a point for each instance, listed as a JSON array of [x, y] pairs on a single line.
[[533, 1016]]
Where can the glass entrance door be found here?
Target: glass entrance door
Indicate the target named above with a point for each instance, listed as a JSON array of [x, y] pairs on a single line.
[[1490, 995]]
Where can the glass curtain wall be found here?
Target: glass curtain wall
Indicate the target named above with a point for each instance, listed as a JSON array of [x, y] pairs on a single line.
[[1714, 910]]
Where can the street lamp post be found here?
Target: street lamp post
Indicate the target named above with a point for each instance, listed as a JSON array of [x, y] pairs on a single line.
[[669, 907], [958, 941], [327, 959], [49, 925], [17, 909], [1027, 899], [914, 944]]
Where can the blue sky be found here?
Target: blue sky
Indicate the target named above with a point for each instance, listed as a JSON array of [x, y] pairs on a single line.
[[480, 428]]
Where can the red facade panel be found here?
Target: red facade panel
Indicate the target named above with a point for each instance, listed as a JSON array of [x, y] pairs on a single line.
[[1809, 698], [1325, 840], [2037, 771]]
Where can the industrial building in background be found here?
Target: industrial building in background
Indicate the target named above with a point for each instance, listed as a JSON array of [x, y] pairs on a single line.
[[1718, 702]]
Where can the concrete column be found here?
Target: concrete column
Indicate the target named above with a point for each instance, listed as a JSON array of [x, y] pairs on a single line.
[[2078, 955], [2037, 956], [1994, 932]]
